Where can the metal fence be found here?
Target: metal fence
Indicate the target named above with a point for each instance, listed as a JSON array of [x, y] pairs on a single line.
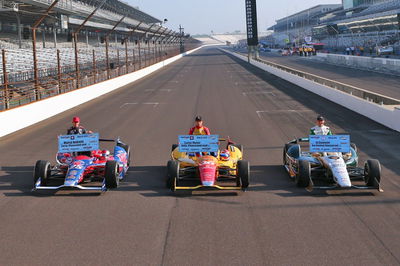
[[59, 74]]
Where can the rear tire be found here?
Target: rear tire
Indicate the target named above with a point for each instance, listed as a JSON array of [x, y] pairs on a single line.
[[243, 173], [303, 175], [43, 171], [172, 174], [372, 173], [111, 174]]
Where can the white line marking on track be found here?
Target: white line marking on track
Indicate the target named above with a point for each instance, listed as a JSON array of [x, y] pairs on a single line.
[[127, 104], [155, 104], [281, 111], [258, 92], [151, 90]]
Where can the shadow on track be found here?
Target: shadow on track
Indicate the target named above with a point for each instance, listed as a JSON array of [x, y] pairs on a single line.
[[150, 181], [274, 179], [203, 54], [19, 183]]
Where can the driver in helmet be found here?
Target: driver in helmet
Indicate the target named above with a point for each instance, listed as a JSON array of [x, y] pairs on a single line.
[[320, 128], [199, 128], [225, 155], [76, 128]]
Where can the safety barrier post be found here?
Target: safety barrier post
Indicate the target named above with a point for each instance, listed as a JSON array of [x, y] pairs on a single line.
[[126, 56], [94, 66], [59, 71], [107, 59], [134, 59], [5, 80], [140, 56]]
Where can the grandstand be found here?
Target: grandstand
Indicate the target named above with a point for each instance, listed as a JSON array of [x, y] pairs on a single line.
[[355, 23], [367, 25], [234, 38], [116, 40], [228, 38], [296, 27]]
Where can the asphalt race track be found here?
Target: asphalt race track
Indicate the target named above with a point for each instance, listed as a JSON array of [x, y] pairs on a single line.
[[142, 223]]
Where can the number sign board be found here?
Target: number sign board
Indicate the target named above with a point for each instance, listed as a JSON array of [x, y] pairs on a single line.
[[329, 143], [198, 143], [251, 21], [76, 143]]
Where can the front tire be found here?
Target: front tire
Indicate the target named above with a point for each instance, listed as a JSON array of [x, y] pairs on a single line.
[[172, 174], [111, 174], [303, 175], [243, 173], [43, 171], [372, 173]]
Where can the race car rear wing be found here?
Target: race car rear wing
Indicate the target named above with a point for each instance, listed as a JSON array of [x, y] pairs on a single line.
[[297, 140]]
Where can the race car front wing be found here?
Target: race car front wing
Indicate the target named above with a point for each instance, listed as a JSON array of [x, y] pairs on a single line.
[[39, 186]]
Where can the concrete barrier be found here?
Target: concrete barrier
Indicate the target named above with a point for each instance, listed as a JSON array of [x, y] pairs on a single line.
[[20, 117], [376, 64], [387, 115]]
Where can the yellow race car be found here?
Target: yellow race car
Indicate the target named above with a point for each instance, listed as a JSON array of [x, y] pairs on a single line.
[[208, 170]]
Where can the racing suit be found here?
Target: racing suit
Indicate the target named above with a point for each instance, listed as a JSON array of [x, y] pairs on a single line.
[[317, 130], [199, 131], [76, 130]]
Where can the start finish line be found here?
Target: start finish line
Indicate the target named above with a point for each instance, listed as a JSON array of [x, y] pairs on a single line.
[[198, 143]]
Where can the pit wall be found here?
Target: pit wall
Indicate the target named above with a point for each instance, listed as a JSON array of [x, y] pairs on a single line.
[[386, 115], [376, 64], [21, 117]]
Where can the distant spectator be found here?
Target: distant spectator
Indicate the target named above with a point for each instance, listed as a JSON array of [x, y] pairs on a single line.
[[348, 50], [361, 50], [353, 50], [371, 50]]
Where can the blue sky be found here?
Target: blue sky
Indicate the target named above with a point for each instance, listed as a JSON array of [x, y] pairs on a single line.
[[203, 16]]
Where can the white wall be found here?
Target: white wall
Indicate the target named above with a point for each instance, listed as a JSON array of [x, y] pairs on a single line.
[[385, 65], [27, 115], [386, 115]]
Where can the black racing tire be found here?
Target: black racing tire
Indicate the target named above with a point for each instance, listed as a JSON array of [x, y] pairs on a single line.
[[372, 173], [243, 173], [285, 149], [43, 171], [354, 146], [111, 174], [127, 148], [303, 175], [173, 147], [172, 174]]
